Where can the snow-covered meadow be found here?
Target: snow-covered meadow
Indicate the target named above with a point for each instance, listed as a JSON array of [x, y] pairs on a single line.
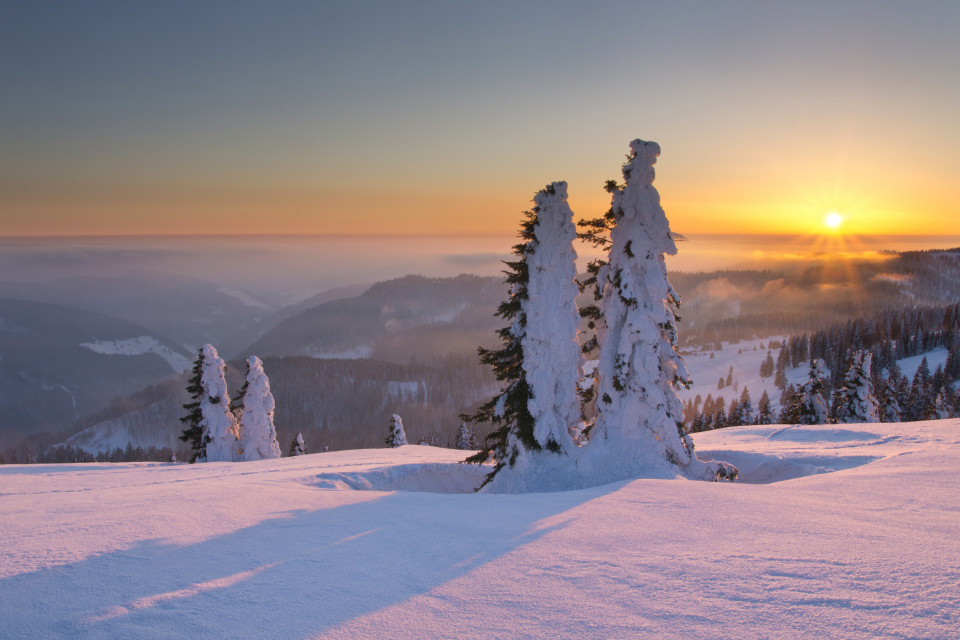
[[832, 532]]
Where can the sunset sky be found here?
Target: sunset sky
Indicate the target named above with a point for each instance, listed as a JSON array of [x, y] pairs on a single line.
[[445, 117]]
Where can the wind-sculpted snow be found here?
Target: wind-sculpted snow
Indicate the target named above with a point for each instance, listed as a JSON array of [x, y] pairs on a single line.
[[289, 549], [451, 477]]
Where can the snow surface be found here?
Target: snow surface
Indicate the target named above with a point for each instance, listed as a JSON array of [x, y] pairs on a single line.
[[138, 347], [287, 549]]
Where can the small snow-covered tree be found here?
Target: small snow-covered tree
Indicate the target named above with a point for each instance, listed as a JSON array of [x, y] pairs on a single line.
[[764, 410], [742, 413], [813, 404], [396, 437], [297, 446], [855, 399], [464, 437], [790, 405], [219, 423], [540, 363], [258, 436], [639, 416], [211, 426], [942, 407]]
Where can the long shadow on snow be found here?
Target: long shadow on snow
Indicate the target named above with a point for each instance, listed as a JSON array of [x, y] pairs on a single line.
[[285, 577]]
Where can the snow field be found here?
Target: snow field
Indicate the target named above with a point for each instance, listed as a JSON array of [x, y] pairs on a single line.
[[278, 549]]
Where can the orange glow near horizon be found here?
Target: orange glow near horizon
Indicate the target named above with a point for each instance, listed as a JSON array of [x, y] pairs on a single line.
[[695, 200]]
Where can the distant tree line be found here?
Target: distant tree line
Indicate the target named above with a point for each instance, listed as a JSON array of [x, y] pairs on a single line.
[[861, 355], [67, 454]]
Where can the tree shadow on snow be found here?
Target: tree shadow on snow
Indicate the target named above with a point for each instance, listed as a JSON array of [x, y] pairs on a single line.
[[292, 576]]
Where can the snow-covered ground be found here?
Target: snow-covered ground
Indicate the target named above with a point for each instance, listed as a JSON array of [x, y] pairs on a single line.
[[138, 347], [844, 532]]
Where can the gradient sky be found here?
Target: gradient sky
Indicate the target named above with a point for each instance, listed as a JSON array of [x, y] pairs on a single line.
[[445, 117]]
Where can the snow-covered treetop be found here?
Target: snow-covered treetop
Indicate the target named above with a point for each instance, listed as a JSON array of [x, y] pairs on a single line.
[[213, 380], [639, 198], [258, 386]]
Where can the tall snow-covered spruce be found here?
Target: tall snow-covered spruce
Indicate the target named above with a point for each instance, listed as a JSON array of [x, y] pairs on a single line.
[[258, 436], [639, 416], [540, 363], [212, 428]]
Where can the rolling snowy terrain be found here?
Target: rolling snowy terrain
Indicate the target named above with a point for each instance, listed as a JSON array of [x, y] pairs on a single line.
[[833, 532]]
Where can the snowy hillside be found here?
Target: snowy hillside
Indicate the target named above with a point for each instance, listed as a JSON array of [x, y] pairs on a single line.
[[58, 364], [852, 534], [744, 359]]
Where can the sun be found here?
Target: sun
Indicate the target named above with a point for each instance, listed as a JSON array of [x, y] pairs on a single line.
[[833, 220]]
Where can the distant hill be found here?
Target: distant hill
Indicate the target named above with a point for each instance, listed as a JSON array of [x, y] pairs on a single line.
[[239, 341], [410, 317], [188, 310], [59, 363]]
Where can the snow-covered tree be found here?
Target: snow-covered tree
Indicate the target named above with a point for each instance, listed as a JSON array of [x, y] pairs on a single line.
[[193, 432], [741, 413], [764, 410], [639, 416], [396, 437], [540, 363], [258, 436], [552, 358], [219, 423], [855, 399], [297, 446], [942, 407], [464, 437], [813, 403], [211, 427], [790, 405]]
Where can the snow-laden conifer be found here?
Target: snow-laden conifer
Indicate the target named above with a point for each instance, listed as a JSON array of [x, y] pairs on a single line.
[[742, 412], [464, 437], [540, 363], [297, 446], [193, 432], [219, 423], [764, 410], [813, 407], [856, 401], [552, 358], [396, 436], [258, 436], [942, 407], [639, 416]]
